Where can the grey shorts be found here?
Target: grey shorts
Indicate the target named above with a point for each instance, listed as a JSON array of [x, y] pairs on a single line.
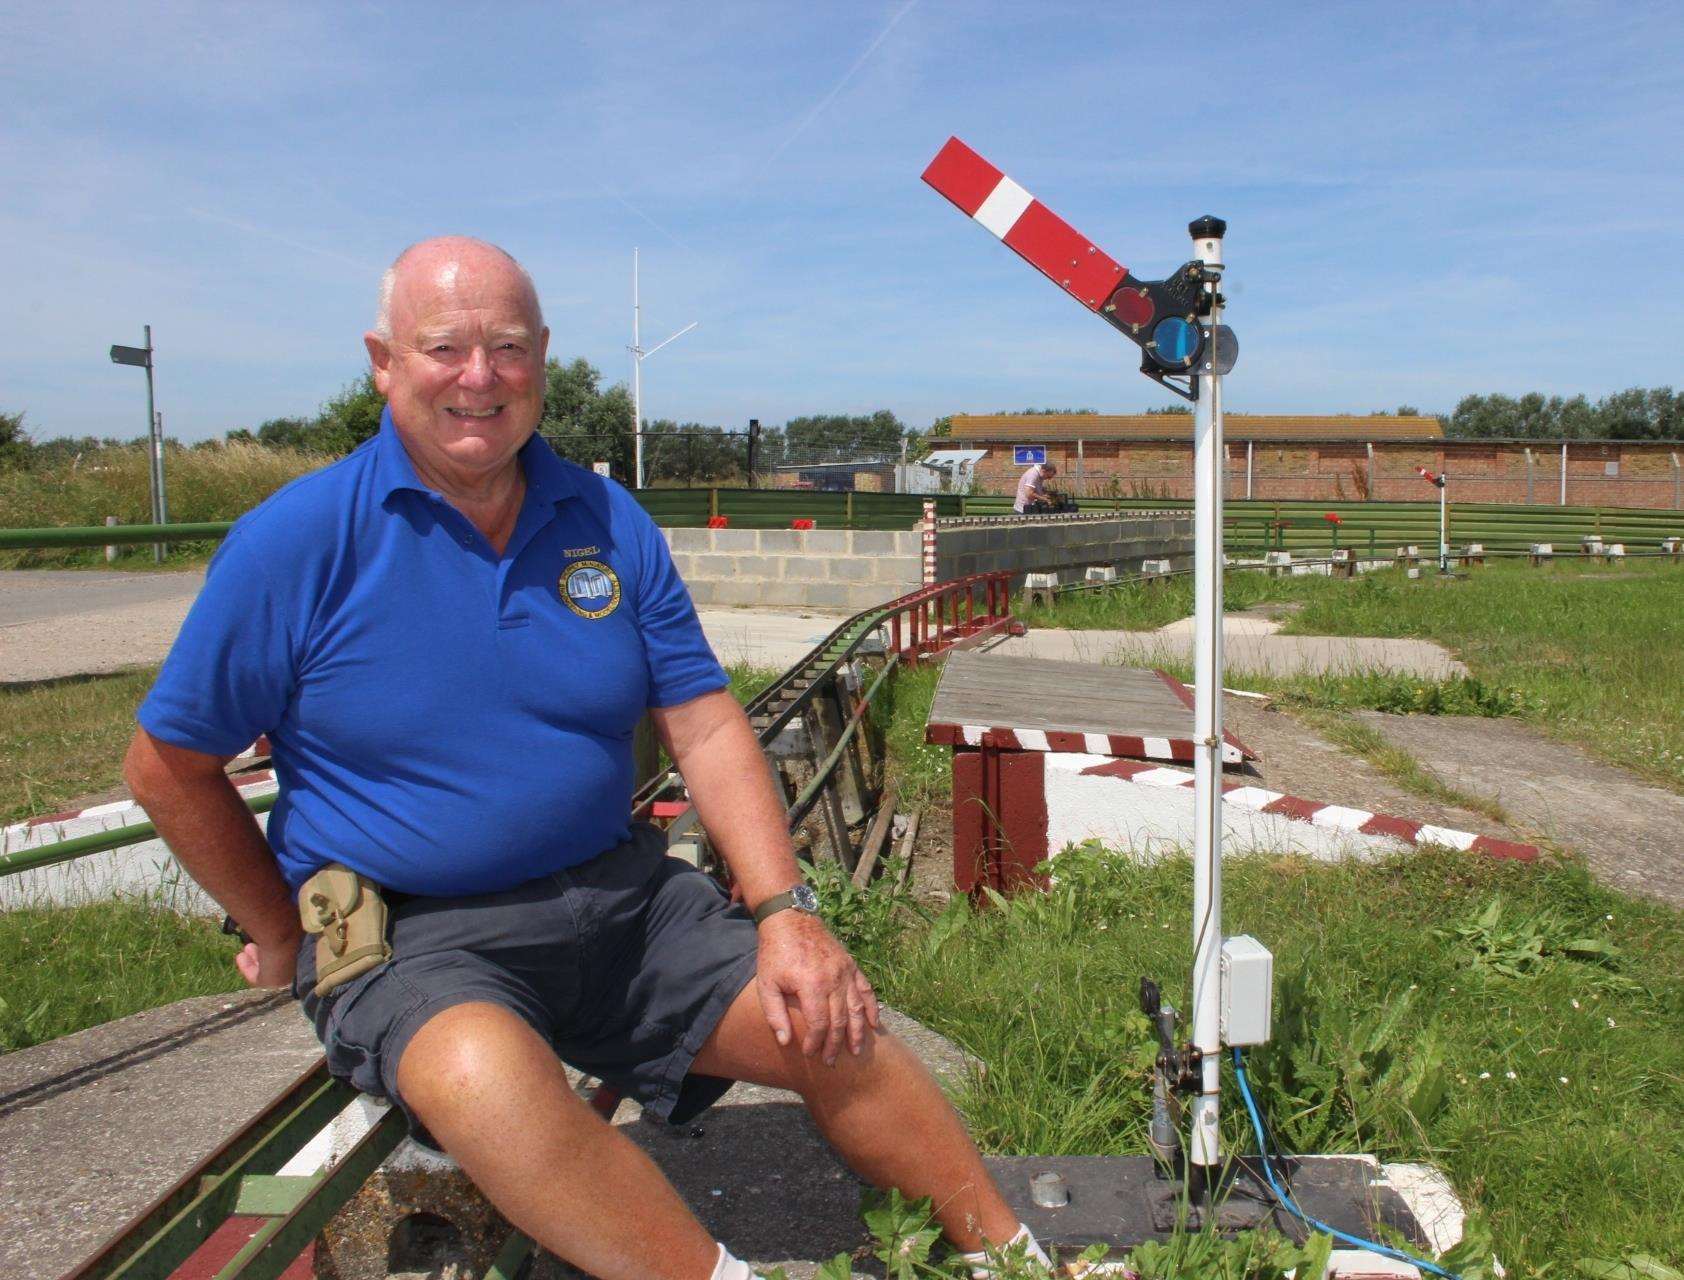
[[625, 964]]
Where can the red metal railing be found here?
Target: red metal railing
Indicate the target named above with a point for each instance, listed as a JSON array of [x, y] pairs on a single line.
[[950, 615]]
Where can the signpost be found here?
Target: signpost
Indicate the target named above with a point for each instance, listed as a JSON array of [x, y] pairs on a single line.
[[142, 357], [1029, 455]]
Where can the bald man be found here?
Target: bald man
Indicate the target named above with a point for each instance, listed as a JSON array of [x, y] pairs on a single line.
[[448, 637]]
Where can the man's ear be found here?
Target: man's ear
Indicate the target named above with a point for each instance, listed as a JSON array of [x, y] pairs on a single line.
[[544, 344], [380, 360]]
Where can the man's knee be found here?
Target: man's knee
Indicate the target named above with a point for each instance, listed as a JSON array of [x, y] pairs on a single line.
[[469, 1052]]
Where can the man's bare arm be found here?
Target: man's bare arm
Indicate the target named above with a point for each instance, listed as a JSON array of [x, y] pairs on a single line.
[[216, 838], [731, 785]]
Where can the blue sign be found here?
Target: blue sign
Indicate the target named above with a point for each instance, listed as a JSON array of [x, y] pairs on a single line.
[[1029, 455]]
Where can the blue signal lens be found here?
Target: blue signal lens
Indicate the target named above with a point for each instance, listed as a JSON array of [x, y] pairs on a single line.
[[1175, 342]]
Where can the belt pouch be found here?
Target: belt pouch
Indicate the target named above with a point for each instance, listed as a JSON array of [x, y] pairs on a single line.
[[348, 916]]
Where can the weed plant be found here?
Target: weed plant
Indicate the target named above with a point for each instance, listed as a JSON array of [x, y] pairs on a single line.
[[1528, 1049]]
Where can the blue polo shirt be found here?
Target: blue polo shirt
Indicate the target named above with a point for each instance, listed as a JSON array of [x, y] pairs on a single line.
[[443, 719]]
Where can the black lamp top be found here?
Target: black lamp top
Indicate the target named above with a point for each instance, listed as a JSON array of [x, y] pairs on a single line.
[[1208, 227]]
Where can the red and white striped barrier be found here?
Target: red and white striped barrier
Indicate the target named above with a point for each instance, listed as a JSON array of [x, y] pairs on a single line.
[[1039, 803], [144, 869], [929, 544]]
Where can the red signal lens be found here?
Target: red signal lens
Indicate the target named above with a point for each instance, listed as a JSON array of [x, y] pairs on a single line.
[[1132, 307]]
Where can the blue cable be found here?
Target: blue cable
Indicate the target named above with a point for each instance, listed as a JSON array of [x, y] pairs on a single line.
[[1291, 1205]]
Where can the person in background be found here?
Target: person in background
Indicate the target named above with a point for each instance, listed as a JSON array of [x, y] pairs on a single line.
[[1032, 494]]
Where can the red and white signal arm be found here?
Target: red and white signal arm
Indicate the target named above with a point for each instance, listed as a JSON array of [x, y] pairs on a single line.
[[1431, 477], [1160, 315]]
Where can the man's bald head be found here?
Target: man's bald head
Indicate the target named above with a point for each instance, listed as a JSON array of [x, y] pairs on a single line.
[[458, 352], [430, 263]]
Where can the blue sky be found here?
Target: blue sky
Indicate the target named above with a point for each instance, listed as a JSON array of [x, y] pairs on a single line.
[[1423, 200]]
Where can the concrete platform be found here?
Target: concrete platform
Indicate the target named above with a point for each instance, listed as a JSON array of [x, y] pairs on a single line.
[[1247, 647], [96, 1125]]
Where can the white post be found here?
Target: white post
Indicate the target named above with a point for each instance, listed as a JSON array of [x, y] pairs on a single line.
[[1564, 473], [1443, 526], [1528, 453], [110, 549], [637, 383], [1204, 1140], [1248, 445]]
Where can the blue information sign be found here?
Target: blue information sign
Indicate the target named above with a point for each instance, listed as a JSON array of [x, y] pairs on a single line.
[[1029, 455]]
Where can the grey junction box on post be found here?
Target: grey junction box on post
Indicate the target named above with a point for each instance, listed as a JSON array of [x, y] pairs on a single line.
[[1248, 982]]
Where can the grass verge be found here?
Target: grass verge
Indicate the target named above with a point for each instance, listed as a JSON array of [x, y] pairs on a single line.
[[61, 740], [71, 968], [1518, 1026], [1588, 653]]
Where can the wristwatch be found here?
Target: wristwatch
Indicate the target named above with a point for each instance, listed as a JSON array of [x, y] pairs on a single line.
[[801, 898]]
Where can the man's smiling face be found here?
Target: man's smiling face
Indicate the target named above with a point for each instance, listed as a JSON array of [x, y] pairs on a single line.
[[463, 365]]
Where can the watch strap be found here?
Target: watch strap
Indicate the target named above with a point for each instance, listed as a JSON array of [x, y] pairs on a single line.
[[777, 902]]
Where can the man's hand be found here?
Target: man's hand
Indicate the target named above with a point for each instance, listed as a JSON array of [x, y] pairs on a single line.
[[268, 966], [801, 963]]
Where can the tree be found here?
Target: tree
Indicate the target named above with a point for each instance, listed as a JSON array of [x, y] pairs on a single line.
[[835, 437], [14, 442], [1179, 407], [349, 418], [284, 433], [583, 423]]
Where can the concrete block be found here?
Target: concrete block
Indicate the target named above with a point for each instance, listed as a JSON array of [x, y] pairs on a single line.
[[754, 566], [837, 595], [881, 542], [1100, 573], [781, 541], [735, 540], [736, 592], [830, 542], [807, 568], [853, 569], [898, 568], [685, 564], [1672, 546], [690, 539], [775, 594], [712, 566]]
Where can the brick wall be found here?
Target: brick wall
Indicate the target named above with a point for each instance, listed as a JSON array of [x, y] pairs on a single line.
[[1615, 474]]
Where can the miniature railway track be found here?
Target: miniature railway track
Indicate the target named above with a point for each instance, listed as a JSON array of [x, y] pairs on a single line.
[[237, 1216]]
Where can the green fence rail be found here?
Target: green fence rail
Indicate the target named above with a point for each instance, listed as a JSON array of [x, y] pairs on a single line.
[[1252, 525]]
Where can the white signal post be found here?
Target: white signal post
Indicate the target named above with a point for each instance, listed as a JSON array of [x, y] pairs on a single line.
[[1204, 1146], [638, 356]]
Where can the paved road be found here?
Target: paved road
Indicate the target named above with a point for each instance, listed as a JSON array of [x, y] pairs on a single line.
[[61, 622]]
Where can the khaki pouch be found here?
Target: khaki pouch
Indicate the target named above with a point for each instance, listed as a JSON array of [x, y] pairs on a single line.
[[348, 915]]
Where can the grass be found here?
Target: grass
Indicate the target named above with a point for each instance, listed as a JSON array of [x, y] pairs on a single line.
[[67, 969], [1553, 1098], [1589, 653], [63, 739], [201, 484]]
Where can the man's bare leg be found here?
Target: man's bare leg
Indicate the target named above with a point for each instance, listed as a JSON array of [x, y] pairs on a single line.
[[494, 1095], [881, 1110]]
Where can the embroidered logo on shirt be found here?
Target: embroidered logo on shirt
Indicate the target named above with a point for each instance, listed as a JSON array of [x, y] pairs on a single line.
[[590, 589]]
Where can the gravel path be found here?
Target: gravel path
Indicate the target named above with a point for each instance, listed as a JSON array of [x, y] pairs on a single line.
[[64, 622], [1629, 831]]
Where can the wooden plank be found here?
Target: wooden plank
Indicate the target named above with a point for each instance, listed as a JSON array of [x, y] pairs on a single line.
[[1044, 694]]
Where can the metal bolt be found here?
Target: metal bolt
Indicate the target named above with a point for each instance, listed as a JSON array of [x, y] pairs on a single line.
[[1047, 1190]]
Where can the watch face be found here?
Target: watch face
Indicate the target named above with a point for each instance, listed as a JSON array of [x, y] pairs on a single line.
[[804, 897]]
